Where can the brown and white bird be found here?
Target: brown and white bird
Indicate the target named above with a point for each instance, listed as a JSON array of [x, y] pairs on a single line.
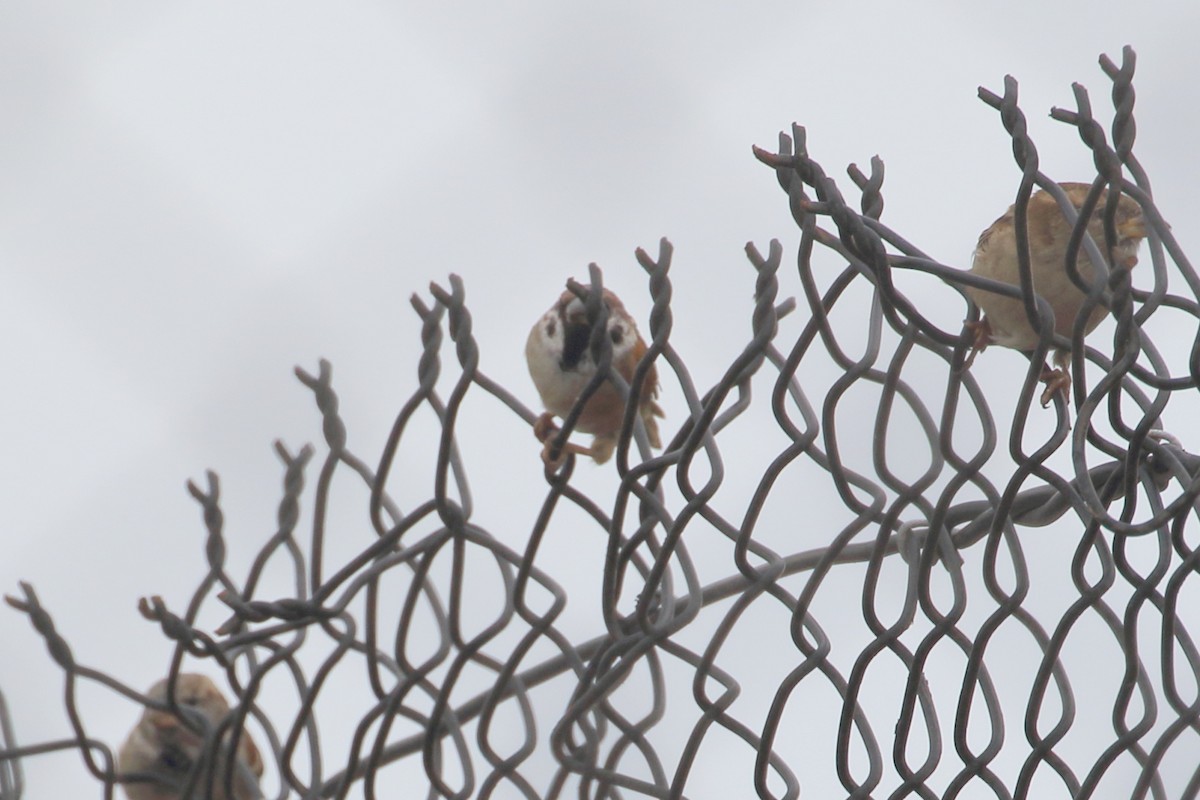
[[162, 750], [1004, 320], [560, 362]]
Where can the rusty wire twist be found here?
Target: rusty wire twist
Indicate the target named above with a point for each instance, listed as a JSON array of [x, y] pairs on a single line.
[[1127, 484]]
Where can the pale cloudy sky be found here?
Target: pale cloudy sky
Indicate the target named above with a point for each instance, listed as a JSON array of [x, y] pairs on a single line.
[[196, 197]]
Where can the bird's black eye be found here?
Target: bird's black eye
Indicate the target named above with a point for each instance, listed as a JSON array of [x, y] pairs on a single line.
[[616, 334], [551, 328]]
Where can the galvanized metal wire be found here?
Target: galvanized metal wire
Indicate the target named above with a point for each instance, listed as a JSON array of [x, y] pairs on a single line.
[[933, 554]]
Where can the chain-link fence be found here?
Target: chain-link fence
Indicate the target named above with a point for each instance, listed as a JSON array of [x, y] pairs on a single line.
[[898, 605]]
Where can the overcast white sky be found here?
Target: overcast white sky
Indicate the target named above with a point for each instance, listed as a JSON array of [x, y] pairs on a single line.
[[196, 197]]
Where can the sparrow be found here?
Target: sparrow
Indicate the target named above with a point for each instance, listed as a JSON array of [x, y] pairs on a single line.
[[1004, 320], [157, 759], [559, 356]]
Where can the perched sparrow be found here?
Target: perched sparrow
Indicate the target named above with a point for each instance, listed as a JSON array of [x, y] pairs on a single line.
[[560, 363], [162, 750], [1004, 320]]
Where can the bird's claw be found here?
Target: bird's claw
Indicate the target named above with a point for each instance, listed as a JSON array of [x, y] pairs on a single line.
[[545, 430], [544, 427], [981, 337], [552, 464], [1057, 380]]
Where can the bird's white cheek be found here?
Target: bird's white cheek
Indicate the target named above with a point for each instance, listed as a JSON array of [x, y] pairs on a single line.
[[542, 369], [542, 347]]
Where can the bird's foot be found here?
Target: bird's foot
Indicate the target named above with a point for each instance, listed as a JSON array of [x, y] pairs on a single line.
[[1057, 379], [545, 430], [544, 427], [981, 337]]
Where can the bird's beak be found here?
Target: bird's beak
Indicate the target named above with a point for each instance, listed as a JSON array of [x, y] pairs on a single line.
[[167, 725]]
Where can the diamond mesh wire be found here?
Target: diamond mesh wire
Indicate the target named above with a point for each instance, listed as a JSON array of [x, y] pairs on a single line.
[[898, 606]]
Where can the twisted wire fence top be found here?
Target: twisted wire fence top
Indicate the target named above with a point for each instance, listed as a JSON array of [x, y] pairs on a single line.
[[932, 588]]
